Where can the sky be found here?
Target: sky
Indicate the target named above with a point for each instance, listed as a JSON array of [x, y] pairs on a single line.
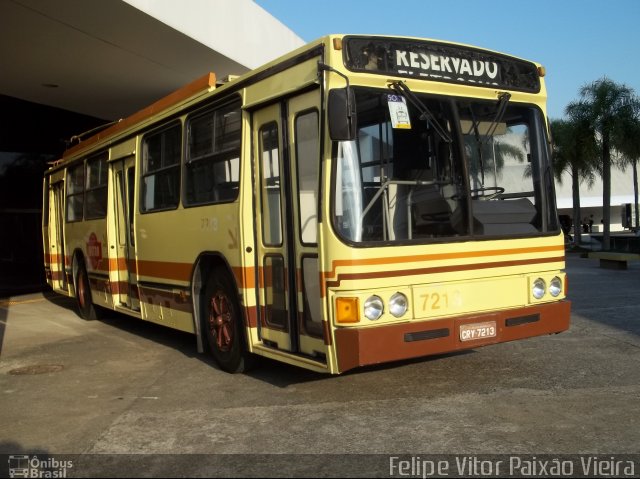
[[577, 41]]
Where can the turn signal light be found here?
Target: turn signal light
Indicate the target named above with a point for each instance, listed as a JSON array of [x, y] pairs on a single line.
[[347, 310]]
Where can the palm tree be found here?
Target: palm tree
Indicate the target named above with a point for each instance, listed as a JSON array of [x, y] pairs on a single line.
[[609, 108], [494, 153], [575, 151], [629, 149]]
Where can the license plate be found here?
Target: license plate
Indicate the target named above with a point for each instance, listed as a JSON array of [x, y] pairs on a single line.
[[471, 332]]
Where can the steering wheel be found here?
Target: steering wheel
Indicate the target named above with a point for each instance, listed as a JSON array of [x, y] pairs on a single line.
[[482, 193]]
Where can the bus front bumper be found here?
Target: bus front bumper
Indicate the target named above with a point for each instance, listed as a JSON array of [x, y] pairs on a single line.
[[379, 344]]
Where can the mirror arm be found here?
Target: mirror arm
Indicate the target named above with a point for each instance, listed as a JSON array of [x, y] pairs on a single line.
[[323, 67]]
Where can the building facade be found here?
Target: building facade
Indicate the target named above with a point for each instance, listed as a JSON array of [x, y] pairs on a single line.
[[71, 65]]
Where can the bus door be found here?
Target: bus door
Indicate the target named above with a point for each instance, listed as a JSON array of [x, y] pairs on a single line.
[[56, 235], [286, 142], [124, 181]]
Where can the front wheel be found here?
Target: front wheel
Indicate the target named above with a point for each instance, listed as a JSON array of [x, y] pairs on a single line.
[[223, 324], [86, 309]]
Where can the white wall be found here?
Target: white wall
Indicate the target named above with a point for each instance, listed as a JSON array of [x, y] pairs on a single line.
[[239, 29], [621, 190]]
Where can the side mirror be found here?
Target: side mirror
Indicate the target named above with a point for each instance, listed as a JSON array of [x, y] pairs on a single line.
[[342, 114]]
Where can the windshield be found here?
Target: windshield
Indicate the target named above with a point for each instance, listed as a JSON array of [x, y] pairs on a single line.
[[429, 168]]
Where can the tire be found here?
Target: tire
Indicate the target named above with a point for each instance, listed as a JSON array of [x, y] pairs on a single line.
[[223, 324], [86, 308]]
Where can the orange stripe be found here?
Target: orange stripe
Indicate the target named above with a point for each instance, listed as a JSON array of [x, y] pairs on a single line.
[[246, 277], [437, 269], [119, 264], [175, 271], [165, 270], [113, 264], [50, 258], [436, 257]]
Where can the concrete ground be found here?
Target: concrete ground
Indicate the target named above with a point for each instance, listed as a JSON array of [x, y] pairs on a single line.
[[122, 386]]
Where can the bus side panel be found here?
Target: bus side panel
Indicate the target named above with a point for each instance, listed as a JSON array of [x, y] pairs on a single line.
[[168, 244], [87, 246]]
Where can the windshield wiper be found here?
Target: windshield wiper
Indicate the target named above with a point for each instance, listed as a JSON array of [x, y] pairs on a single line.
[[479, 143], [501, 108], [402, 89]]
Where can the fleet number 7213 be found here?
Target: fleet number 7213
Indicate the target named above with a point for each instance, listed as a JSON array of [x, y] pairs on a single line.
[[434, 301]]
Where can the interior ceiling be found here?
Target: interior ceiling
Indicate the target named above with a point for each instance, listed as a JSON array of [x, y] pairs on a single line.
[[105, 59]]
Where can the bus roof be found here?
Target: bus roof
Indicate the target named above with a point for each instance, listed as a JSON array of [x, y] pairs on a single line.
[[201, 85], [207, 83]]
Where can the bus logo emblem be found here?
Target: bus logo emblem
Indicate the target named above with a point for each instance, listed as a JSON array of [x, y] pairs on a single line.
[[94, 251]]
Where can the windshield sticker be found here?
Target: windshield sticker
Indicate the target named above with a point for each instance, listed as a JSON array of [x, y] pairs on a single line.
[[399, 112]]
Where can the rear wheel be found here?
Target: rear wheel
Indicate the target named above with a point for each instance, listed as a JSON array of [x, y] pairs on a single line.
[[86, 309], [223, 324]]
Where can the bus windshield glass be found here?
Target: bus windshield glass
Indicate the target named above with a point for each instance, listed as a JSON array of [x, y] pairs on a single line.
[[433, 168]]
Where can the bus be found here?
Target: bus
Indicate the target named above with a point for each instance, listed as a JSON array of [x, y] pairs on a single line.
[[361, 200]]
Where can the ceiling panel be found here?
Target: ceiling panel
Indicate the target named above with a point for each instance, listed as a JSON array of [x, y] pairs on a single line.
[[105, 59]]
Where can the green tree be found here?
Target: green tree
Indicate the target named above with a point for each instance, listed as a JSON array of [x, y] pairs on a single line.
[[494, 154], [609, 108], [574, 151], [629, 149]]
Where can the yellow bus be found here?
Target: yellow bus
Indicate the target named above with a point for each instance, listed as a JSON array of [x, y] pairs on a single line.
[[363, 199]]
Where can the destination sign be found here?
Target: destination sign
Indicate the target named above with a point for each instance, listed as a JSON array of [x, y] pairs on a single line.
[[439, 62]]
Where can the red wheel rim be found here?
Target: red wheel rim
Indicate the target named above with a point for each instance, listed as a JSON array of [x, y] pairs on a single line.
[[221, 321]]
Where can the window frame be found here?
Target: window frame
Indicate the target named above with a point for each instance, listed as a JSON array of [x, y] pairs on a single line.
[[68, 175], [144, 173], [103, 158], [265, 206], [224, 157], [317, 168]]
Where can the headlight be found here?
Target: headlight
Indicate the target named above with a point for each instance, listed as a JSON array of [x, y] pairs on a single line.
[[373, 308], [555, 287], [398, 304], [539, 288]]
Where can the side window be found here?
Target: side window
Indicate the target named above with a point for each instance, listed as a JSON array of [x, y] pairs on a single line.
[[45, 202], [161, 169], [212, 165], [75, 192], [96, 187], [308, 163], [270, 185]]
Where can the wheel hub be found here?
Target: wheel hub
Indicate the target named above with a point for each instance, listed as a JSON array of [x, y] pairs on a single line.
[[221, 321]]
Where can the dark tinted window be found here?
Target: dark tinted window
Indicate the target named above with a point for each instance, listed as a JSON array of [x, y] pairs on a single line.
[[161, 169], [96, 187], [75, 192], [212, 166]]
